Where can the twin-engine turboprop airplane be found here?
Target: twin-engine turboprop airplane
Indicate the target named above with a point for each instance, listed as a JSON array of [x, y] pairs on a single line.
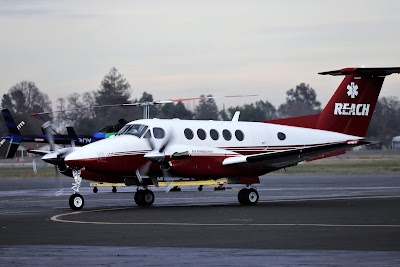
[[147, 151]]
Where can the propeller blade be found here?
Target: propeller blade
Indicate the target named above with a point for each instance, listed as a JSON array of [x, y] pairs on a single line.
[[169, 187], [150, 143], [166, 142], [34, 166], [38, 165], [141, 104], [47, 130], [144, 169]]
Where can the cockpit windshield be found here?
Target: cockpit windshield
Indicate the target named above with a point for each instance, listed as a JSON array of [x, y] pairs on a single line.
[[133, 129]]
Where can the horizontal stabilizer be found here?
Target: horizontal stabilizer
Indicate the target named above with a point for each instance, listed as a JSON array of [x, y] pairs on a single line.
[[367, 71]]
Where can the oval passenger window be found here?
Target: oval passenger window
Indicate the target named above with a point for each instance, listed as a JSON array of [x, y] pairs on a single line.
[[227, 135], [214, 134], [188, 134], [201, 134], [281, 136], [239, 135]]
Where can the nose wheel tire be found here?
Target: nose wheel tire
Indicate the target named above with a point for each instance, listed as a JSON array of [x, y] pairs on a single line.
[[248, 196], [76, 201], [144, 197]]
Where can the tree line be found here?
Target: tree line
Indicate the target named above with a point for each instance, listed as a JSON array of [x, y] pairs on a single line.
[[25, 98]]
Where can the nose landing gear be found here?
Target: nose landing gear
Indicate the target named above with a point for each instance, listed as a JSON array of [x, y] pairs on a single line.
[[76, 200]]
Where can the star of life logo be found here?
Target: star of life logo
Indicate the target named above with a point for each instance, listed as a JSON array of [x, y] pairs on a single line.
[[349, 109], [352, 90]]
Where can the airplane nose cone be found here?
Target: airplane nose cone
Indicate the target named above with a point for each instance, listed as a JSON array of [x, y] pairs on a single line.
[[97, 157], [75, 159]]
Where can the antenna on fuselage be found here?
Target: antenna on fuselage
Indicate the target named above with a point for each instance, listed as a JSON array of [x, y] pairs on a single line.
[[236, 116]]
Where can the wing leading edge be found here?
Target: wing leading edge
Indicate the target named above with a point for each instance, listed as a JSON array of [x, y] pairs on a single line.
[[290, 157]]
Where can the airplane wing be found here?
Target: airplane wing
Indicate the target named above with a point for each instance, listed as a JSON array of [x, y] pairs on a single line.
[[290, 157], [38, 152]]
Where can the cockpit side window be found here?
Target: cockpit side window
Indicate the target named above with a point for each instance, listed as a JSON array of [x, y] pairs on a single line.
[[124, 129], [133, 129], [147, 134]]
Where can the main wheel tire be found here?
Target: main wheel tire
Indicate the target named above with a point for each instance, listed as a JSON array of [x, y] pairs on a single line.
[[138, 197], [242, 196], [248, 196], [252, 196], [148, 197], [76, 201], [114, 189], [144, 197], [95, 190]]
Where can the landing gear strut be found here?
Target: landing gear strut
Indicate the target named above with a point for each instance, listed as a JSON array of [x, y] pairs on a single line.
[[144, 197], [248, 196], [76, 200]]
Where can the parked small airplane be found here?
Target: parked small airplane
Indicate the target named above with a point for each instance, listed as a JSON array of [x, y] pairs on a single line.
[[11, 142], [147, 151]]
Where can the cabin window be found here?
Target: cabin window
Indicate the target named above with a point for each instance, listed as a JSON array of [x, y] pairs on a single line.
[[214, 134], [188, 134], [158, 133], [201, 134], [227, 135], [281, 136], [239, 135]]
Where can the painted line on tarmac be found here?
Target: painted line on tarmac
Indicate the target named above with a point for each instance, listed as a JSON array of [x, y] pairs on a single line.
[[24, 212], [58, 218]]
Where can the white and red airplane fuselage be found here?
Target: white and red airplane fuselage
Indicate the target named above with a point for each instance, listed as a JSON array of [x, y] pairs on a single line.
[[147, 150], [207, 149]]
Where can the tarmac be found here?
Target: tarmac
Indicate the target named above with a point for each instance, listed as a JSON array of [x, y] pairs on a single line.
[[333, 220]]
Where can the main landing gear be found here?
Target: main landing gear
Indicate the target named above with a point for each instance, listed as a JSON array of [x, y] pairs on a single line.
[[144, 197], [76, 200], [248, 196]]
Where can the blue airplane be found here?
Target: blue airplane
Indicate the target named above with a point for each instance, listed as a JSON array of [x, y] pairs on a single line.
[[10, 143]]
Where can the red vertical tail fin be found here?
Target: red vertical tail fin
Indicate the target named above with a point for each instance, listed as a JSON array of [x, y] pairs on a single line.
[[351, 107]]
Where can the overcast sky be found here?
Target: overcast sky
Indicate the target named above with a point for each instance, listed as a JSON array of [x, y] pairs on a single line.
[[186, 48]]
